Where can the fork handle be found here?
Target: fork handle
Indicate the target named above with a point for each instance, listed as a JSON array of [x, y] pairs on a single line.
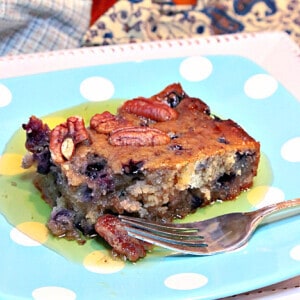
[[281, 210]]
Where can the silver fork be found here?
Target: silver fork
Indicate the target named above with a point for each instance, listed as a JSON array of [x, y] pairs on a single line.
[[220, 234]]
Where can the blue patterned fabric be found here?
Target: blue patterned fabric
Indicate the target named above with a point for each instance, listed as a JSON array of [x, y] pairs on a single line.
[[42, 25], [144, 20]]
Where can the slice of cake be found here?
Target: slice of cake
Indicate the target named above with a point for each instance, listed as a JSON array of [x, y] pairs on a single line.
[[158, 158]]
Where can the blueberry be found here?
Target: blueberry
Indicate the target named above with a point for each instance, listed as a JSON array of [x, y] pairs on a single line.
[[43, 159], [94, 171], [98, 172], [225, 180], [86, 228], [196, 201], [133, 167], [176, 147], [86, 194], [63, 216], [223, 140], [173, 99]]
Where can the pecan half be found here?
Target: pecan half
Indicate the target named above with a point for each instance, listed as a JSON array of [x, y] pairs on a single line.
[[65, 136], [150, 109], [111, 229], [193, 104], [107, 122], [104, 122], [138, 136], [77, 129]]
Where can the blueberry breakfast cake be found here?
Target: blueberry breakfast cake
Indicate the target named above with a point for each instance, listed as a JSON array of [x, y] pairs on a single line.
[[158, 158]]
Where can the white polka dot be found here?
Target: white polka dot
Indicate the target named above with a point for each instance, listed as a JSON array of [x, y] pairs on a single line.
[[269, 195], [295, 253], [260, 86], [22, 239], [5, 95], [196, 68], [290, 150], [186, 281], [97, 89], [53, 292]]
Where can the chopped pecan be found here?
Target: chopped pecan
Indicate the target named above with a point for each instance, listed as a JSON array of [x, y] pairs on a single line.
[[64, 137], [67, 148], [150, 109], [138, 136]]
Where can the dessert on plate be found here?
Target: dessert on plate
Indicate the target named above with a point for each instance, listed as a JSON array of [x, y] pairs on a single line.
[[157, 158]]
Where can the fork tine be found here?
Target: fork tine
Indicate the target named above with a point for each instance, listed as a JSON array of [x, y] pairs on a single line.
[[195, 241], [171, 233], [179, 249], [159, 230], [167, 228]]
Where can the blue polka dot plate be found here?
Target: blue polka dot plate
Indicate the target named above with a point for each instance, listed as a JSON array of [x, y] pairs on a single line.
[[35, 265]]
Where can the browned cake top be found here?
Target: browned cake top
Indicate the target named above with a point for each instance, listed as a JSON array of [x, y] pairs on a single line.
[[193, 136], [156, 132]]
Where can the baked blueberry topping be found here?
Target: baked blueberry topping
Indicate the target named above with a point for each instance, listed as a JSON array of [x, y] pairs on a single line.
[[86, 228], [223, 140], [225, 180], [176, 147], [37, 134], [174, 98], [95, 170], [37, 142], [196, 201], [43, 161], [133, 167], [63, 216], [243, 156], [98, 172], [61, 221], [86, 194]]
